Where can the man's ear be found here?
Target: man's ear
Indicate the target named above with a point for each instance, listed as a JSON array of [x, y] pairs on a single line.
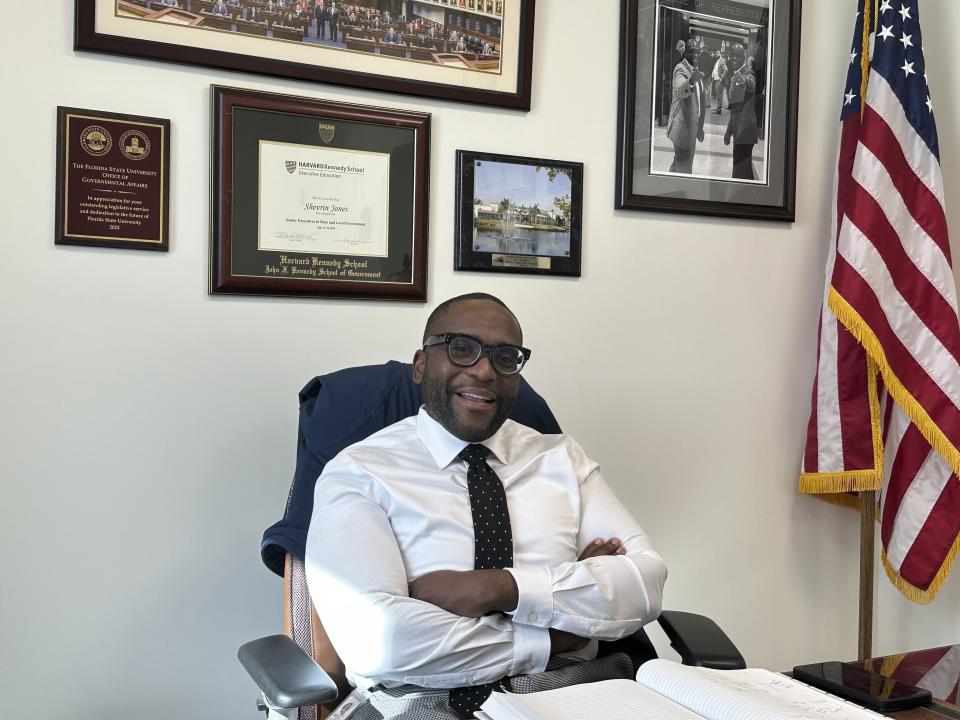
[[419, 360]]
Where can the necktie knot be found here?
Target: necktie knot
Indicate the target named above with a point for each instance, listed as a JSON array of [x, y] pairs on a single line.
[[474, 453]]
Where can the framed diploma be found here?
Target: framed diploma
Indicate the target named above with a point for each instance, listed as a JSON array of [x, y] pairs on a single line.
[[479, 51], [113, 180], [518, 214], [318, 199]]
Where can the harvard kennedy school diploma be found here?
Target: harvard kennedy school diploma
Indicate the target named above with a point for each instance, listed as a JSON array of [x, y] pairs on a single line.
[[323, 200]]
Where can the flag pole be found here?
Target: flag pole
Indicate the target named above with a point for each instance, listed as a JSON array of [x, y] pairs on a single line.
[[868, 511], [868, 500]]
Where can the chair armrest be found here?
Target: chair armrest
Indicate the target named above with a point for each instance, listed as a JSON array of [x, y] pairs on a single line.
[[700, 641], [285, 674]]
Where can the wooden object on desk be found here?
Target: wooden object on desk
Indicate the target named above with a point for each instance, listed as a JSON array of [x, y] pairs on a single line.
[[938, 710], [912, 668]]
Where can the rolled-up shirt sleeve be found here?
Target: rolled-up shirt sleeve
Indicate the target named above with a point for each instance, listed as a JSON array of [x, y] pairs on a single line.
[[358, 584], [605, 597]]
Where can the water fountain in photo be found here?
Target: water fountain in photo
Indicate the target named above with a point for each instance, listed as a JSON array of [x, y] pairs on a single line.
[[518, 237]]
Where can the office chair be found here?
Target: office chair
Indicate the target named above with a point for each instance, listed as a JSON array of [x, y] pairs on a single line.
[[300, 675]]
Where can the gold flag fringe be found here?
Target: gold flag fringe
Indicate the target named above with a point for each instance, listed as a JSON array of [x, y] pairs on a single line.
[[890, 664], [825, 483], [918, 416], [912, 592], [841, 482]]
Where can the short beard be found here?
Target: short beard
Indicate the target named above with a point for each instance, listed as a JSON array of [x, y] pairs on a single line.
[[438, 400]]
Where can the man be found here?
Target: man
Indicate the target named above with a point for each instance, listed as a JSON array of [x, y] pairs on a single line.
[[220, 9], [457, 549], [687, 108], [320, 14], [742, 126], [391, 36], [333, 17], [719, 77]]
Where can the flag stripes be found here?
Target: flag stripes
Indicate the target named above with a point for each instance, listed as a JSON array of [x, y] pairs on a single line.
[[890, 311]]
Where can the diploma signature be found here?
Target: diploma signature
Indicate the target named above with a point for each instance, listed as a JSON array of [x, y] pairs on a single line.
[[316, 237], [297, 236]]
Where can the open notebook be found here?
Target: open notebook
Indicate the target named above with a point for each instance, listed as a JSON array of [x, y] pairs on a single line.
[[666, 690]]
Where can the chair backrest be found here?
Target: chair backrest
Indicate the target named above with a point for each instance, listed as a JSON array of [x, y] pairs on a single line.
[[337, 410]]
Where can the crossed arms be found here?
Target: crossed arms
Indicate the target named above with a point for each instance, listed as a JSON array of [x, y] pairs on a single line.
[[436, 631], [475, 593]]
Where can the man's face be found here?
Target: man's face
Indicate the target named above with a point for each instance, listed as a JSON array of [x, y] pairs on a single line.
[[691, 54], [469, 402]]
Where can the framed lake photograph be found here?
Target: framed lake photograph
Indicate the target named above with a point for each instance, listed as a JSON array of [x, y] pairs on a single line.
[[318, 199], [518, 214], [479, 51], [707, 119]]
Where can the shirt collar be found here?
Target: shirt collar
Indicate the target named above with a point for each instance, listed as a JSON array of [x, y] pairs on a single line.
[[445, 447]]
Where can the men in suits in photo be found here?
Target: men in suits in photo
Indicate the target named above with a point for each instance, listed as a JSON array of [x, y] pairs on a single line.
[[721, 81], [333, 18], [742, 127], [687, 108], [320, 14], [392, 36]]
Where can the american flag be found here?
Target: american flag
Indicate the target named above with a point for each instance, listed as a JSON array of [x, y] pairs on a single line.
[[886, 398]]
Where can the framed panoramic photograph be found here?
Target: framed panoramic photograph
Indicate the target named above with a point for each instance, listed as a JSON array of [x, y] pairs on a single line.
[[707, 119], [474, 51], [518, 214], [314, 198]]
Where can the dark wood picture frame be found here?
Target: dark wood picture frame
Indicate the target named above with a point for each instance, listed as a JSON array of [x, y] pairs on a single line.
[[533, 245], [243, 120], [774, 200], [87, 37]]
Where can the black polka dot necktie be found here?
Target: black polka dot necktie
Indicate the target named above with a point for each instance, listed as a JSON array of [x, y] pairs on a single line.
[[492, 548]]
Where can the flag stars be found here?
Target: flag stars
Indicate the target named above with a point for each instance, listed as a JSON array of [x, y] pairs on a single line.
[[907, 41], [853, 57], [849, 97], [905, 13], [908, 69], [929, 104], [886, 32], [885, 6]]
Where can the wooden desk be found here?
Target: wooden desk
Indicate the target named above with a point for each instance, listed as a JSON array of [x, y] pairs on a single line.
[[936, 669]]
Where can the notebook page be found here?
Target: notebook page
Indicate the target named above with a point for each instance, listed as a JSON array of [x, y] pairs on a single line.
[[752, 694], [608, 699]]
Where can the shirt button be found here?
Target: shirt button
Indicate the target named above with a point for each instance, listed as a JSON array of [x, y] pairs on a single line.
[[470, 679], [531, 617], [594, 628]]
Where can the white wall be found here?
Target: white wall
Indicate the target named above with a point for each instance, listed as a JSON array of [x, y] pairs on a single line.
[[148, 429]]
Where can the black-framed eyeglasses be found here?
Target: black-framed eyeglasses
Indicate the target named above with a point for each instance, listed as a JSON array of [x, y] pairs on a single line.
[[466, 351]]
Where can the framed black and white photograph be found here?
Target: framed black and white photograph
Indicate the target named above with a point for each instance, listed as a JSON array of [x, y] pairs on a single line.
[[518, 214], [708, 107], [318, 199], [477, 52]]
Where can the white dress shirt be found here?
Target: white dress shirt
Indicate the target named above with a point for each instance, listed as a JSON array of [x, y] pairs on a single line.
[[395, 506]]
